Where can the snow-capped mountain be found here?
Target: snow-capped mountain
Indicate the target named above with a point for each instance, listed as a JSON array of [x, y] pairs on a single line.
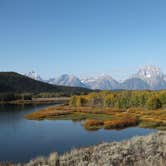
[[153, 76], [34, 76], [147, 77], [67, 80], [103, 82]]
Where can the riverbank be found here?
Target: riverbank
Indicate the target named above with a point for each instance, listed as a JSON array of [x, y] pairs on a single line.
[[96, 117], [37, 101], [146, 150]]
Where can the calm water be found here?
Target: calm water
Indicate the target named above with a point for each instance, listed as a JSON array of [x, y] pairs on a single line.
[[21, 139]]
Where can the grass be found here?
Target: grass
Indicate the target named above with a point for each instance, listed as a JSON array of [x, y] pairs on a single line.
[[95, 117]]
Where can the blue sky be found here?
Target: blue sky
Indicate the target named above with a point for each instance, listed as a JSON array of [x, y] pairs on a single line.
[[82, 37]]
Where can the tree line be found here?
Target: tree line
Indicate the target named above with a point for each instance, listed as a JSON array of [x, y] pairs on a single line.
[[4, 97], [121, 99]]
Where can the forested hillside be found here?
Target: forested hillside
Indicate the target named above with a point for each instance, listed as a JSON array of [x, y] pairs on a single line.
[[11, 82]]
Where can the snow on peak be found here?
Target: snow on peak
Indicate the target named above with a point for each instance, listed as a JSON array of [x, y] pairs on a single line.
[[104, 82], [97, 78], [153, 76], [67, 80], [34, 75], [149, 71]]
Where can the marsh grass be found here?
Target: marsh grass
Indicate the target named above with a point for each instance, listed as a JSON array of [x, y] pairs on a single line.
[[111, 118], [121, 123], [92, 124]]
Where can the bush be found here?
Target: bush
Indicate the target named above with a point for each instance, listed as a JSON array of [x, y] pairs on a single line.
[[92, 124], [121, 123]]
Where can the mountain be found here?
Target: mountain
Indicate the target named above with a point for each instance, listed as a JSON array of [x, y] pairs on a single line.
[[134, 84], [153, 76], [67, 80], [34, 75], [147, 77], [103, 82], [17, 83]]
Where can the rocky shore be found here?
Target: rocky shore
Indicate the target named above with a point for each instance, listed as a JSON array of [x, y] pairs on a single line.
[[139, 151]]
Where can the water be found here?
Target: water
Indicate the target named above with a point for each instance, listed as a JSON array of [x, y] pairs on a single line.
[[22, 140]]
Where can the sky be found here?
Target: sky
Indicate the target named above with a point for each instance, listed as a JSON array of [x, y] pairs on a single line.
[[82, 37]]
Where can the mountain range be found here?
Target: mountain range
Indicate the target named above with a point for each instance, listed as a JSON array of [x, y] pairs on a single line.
[[11, 82], [147, 77]]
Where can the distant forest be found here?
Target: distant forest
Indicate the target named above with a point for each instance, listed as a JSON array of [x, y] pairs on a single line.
[[122, 99]]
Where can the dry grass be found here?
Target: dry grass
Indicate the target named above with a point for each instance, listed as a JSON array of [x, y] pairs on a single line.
[[48, 113], [92, 124], [111, 118], [150, 118], [139, 151], [121, 123]]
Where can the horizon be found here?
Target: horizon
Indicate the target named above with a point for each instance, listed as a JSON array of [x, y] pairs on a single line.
[[91, 76], [82, 38]]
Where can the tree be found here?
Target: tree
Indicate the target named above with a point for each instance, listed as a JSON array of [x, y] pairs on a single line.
[[162, 97], [81, 101], [95, 99], [153, 103], [73, 101], [109, 101]]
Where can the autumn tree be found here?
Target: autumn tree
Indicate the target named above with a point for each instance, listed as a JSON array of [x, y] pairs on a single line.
[[73, 101], [153, 103]]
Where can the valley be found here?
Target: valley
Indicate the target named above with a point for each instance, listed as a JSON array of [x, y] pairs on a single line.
[[82, 83]]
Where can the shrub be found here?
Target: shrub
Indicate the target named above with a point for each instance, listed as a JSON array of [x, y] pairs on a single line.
[[91, 124], [121, 123]]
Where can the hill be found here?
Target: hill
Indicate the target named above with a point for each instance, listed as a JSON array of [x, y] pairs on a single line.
[[11, 82]]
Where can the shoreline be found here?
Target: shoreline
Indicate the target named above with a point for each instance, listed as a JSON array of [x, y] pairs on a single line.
[[137, 151], [38, 101]]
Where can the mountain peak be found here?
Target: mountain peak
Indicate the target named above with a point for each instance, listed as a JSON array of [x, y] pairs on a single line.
[[68, 76], [153, 76], [34, 75], [149, 71], [67, 80], [147, 77], [105, 76], [104, 82]]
